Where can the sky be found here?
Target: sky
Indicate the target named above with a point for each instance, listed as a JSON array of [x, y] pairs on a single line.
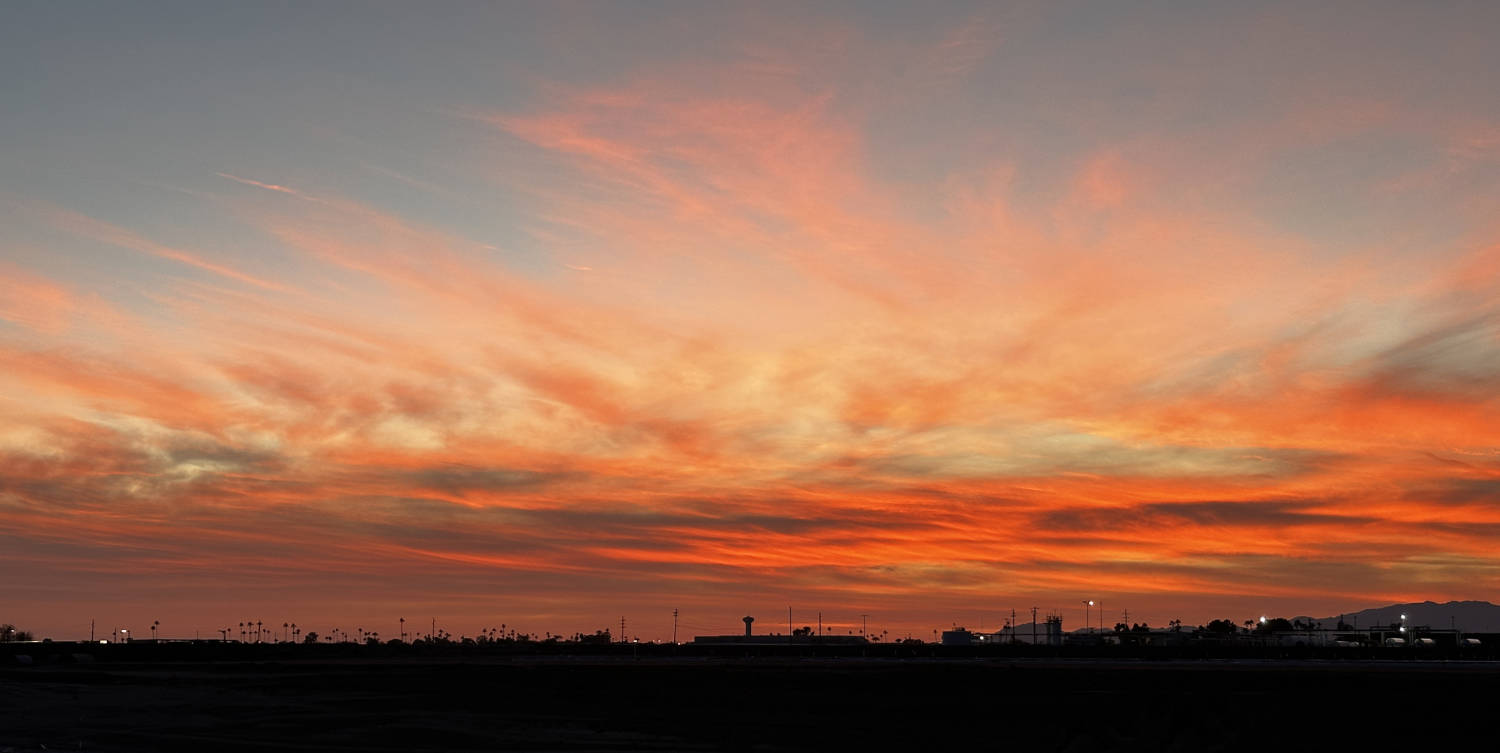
[[548, 314]]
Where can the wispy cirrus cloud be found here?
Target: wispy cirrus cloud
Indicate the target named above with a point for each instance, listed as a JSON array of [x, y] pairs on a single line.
[[82, 225], [793, 366]]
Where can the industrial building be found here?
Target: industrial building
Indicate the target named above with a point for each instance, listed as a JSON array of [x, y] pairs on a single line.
[[1047, 632], [749, 638]]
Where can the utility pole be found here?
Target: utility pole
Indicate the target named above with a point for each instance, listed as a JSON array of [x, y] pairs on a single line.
[[622, 629], [864, 625], [1013, 625], [789, 629], [674, 626], [91, 631], [1033, 626], [820, 624]]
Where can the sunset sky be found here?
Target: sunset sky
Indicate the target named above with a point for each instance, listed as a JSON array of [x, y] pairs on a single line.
[[547, 314]]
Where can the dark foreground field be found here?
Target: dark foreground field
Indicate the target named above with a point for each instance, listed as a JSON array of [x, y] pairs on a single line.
[[613, 704]]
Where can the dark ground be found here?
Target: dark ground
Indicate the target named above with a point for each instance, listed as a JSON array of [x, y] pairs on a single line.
[[750, 704]]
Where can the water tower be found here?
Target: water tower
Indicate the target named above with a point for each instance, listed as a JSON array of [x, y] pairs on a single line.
[[748, 620]]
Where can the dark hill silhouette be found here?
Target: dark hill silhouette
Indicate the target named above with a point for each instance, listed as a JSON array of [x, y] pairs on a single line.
[[1469, 616]]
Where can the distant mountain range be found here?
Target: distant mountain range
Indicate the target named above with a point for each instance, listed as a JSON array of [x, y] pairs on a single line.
[[1469, 616]]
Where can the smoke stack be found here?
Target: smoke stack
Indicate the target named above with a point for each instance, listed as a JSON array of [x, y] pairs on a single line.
[[748, 620]]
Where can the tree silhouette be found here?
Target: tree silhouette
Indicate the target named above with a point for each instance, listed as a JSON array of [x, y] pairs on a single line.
[[9, 633], [1274, 625]]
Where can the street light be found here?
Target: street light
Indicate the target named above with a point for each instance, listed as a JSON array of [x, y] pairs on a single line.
[[1086, 606]]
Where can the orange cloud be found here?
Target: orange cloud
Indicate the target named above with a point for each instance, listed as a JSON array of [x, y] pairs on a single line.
[[104, 232], [792, 374]]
